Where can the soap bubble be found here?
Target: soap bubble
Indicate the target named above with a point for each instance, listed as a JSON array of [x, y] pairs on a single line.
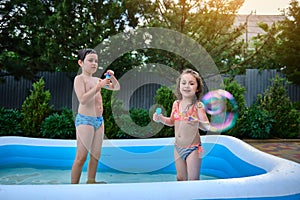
[[223, 109]]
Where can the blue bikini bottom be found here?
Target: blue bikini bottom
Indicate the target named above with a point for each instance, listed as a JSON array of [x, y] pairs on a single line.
[[96, 122]]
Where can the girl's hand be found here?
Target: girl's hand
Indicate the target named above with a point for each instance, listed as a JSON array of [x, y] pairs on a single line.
[[156, 117]]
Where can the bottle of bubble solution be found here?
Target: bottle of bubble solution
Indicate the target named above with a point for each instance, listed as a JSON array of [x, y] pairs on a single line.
[[158, 112], [107, 76]]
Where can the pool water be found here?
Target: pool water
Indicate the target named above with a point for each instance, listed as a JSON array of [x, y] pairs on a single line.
[[26, 164], [33, 176]]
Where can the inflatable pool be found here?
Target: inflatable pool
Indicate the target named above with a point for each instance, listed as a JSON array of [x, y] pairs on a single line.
[[241, 171]]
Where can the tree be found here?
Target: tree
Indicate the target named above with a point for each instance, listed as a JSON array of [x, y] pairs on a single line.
[[288, 52], [279, 48], [207, 22], [35, 109], [262, 53], [44, 35], [277, 102]]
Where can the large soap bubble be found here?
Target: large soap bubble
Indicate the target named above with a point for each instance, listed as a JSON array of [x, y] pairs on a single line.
[[223, 116]]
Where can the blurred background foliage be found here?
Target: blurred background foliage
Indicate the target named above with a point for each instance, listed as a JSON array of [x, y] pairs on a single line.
[[44, 35]]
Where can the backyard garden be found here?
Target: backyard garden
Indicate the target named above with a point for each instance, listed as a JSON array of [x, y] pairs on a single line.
[[48, 42]]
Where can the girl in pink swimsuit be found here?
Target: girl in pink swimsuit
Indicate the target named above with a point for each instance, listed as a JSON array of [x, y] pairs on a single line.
[[187, 116]]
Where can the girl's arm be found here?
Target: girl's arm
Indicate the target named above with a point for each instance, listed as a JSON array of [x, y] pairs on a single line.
[[166, 120], [204, 123], [169, 121]]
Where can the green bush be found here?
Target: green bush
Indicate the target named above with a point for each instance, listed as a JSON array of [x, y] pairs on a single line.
[[140, 128], [140, 116], [59, 126], [165, 98], [112, 130], [35, 109], [149, 128], [277, 102], [122, 134], [237, 92], [289, 124], [296, 105], [256, 123], [10, 120]]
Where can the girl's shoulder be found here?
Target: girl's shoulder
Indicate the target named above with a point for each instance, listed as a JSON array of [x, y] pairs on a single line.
[[199, 104], [176, 103]]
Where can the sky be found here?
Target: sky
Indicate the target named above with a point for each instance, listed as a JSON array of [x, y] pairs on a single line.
[[264, 7]]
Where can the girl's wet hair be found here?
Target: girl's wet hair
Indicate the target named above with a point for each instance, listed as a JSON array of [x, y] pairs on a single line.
[[200, 86], [83, 52]]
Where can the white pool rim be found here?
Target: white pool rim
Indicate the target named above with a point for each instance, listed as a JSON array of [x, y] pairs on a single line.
[[282, 179]]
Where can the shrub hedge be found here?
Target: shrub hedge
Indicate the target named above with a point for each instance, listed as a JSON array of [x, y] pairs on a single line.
[[273, 115]]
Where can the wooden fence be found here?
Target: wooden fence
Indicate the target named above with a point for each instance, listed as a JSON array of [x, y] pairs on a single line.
[[13, 92]]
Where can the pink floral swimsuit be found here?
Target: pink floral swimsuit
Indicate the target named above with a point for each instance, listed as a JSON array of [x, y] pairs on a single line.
[[191, 115]]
